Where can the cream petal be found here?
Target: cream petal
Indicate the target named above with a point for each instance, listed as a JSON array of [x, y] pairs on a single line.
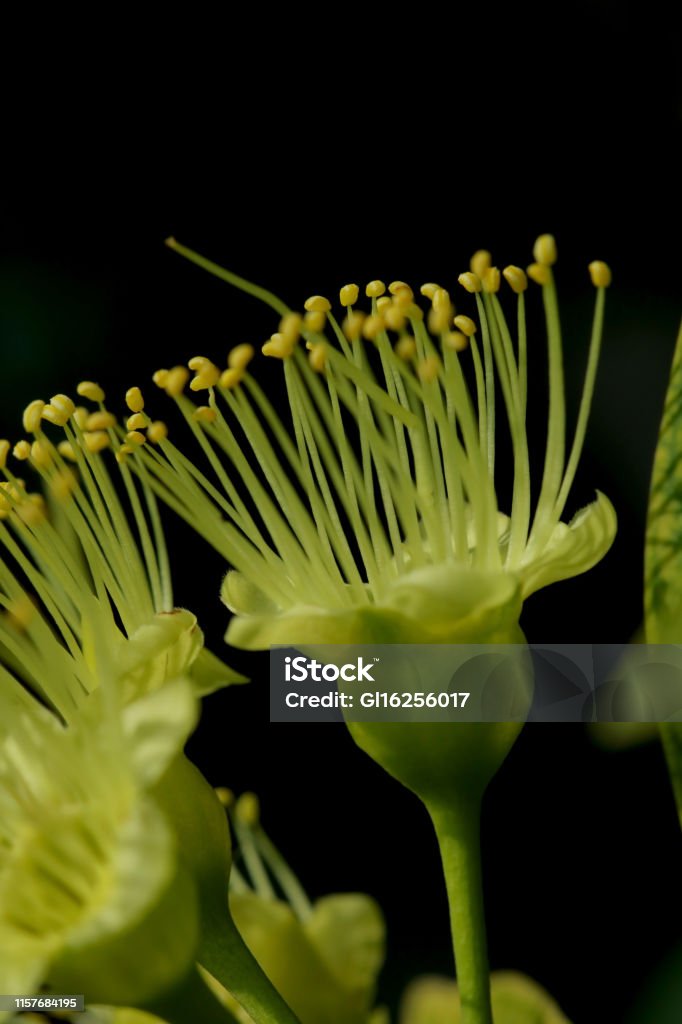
[[572, 549]]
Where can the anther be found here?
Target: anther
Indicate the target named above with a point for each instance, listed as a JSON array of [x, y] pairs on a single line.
[[88, 389], [207, 376], [374, 289], [470, 281], [248, 809], [138, 421], [373, 326], [406, 348], [314, 321], [278, 347], [124, 451], [544, 250], [480, 261], [135, 437], [317, 357], [290, 326], [515, 278], [175, 380], [539, 272], [104, 420], [428, 369], [348, 295], [5, 447], [456, 340], [59, 411], [230, 378], [600, 273], [40, 455], [395, 317], [428, 290], [466, 325], [491, 280], [81, 416], [66, 450], [240, 356], [204, 414], [384, 303], [317, 304], [22, 450], [63, 484], [96, 441], [352, 324], [157, 432], [160, 377], [134, 400], [32, 416]]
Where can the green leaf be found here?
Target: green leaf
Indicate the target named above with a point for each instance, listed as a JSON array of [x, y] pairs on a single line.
[[663, 559]]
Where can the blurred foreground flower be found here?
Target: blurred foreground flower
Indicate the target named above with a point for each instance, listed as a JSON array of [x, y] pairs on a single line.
[[516, 999], [323, 957]]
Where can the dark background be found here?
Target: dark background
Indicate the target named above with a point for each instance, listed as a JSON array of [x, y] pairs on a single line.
[[390, 146]]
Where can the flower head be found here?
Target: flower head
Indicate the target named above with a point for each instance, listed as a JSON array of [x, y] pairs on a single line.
[[371, 512]]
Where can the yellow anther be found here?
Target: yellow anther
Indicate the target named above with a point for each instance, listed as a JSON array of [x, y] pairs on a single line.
[[278, 347], [88, 389], [63, 484], [134, 400], [440, 319], [40, 454], [32, 416], [124, 451], [138, 421], [318, 357], [470, 281], [384, 303], [22, 450], [66, 450], [5, 447], [135, 437], [290, 326], [441, 299], [59, 411], [397, 286], [373, 326], [10, 495], [395, 317], [314, 321], [160, 377], [403, 297], [352, 324], [456, 340], [199, 363], [466, 325], [317, 304], [105, 420], [207, 377], [226, 796], [81, 416], [374, 289], [20, 612], [204, 414], [33, 511], [428, 369], [544, 250], [157, 432], [406, 348], [429, 290], [600, 273], [175, 380], [479, 262], [515, 278], [96, 441], [539, 273], [491, 280], [230, 378], [348, 295], [248, 809], [240, 356]]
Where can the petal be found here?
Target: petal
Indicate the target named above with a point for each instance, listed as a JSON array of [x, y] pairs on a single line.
[[349, 933], [439, 604], [515, 997], [157, 727], [573, 549]]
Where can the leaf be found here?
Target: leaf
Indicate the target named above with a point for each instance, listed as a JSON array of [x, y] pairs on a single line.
[[663, 557]]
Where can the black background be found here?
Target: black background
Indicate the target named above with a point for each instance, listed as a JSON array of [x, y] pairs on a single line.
[[304, 156]]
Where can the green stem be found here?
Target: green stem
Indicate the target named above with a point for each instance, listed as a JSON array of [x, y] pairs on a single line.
[[191, 1001], [227, 957], [458, 831]]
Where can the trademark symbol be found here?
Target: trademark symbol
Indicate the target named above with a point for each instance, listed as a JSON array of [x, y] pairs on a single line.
[[375, 659]]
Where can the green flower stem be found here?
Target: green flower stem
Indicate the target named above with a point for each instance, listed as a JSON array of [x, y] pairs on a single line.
[[230, 961], [191, 1001], [458, 831]]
